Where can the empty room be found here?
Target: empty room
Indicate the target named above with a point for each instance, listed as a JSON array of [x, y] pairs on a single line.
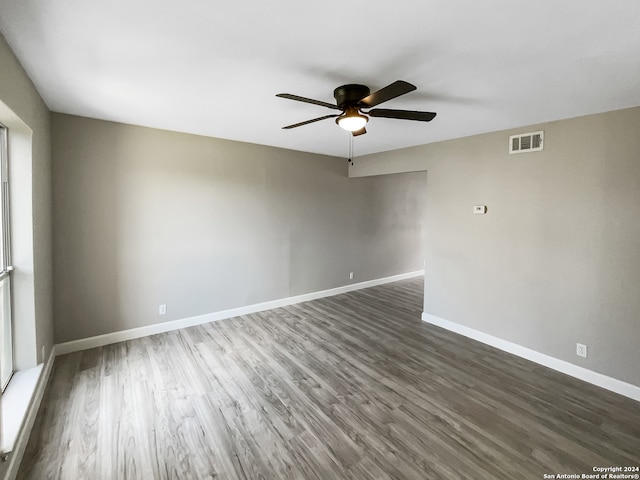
[[312, 241]]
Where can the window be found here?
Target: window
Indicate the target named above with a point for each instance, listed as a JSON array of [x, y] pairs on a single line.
[[6, 336]]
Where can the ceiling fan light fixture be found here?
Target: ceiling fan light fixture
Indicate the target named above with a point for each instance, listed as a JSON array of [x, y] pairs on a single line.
[[352, 120]]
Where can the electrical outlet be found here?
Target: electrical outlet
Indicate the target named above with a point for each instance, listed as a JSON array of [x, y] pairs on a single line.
[[162, 310], [350, 275], [581, 350]]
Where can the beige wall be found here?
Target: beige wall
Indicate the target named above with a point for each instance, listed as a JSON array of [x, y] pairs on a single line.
[[145, 217], [556, 260]]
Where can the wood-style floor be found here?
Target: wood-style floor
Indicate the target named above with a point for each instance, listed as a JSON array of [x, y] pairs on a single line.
[[353, 387]]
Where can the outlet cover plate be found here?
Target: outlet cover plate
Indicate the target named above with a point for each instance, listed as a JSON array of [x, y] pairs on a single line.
[[581, 350]]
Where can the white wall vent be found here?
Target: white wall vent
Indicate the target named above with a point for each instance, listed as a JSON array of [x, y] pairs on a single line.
[[526, 142]]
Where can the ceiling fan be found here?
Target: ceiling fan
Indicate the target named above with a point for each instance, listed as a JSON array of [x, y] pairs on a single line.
[[352, 98]]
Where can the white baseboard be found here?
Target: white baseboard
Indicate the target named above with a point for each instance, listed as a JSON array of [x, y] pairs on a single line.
[[115, 337], [22, 439], [608, 383]]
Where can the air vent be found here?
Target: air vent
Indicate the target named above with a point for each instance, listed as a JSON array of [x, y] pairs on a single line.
[[526, 142]]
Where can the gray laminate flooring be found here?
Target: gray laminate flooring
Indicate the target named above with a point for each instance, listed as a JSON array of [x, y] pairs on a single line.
[[347, 387]]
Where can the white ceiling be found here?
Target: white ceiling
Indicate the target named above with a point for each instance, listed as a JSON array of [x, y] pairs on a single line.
[[213, 67]]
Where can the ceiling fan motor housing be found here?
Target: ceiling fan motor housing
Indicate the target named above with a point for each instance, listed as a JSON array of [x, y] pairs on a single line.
[[350, 95]]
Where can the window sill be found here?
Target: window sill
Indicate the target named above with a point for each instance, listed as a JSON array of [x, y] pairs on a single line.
[[15, 403]]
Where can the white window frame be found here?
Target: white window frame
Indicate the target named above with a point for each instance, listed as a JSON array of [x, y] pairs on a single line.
[[5, 263]]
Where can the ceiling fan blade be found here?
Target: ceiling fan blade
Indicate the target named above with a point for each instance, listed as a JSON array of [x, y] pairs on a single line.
[[402, 114], [309, 121], [397, 88], [307, 100], [362, 131]]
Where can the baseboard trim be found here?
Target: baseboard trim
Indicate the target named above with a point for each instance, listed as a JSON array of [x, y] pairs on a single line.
[[618, 386], [20, 444], [123, 335]]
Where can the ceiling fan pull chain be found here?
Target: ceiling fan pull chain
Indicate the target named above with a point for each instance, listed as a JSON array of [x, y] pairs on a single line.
[[350, 159]]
